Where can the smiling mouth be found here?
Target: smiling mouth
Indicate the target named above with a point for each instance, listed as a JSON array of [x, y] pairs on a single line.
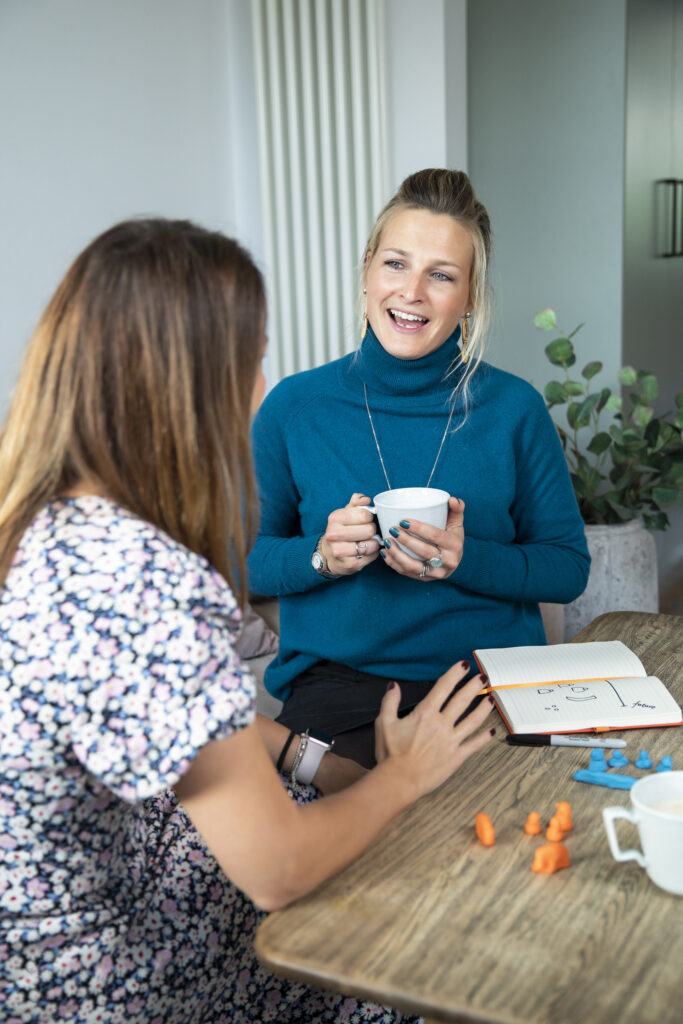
[[409, 321]]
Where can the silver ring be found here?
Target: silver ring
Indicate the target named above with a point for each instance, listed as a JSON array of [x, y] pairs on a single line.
[[436, 562], [425, 571], [360, 548]]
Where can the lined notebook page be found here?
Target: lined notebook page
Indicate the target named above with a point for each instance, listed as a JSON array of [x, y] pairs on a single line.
[[594, 660], [561, 707]]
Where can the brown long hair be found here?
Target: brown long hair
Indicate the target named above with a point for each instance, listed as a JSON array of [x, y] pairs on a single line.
[[138, 379]]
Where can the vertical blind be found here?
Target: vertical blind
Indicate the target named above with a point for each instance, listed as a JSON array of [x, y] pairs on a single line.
[[320, 72]]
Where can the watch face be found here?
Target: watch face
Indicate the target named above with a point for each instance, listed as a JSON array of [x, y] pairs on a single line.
[[321, 737], [317, 561]]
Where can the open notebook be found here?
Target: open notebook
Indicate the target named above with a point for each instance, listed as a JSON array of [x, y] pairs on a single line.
[[575, 688]]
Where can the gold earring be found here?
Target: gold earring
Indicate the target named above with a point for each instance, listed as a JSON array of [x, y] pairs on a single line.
[[365, 312], [465, 332]]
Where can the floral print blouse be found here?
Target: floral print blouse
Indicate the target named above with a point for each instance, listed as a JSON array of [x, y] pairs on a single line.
[[117, 666]]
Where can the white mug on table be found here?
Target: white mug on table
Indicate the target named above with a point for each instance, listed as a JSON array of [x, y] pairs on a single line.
[[658, 815]]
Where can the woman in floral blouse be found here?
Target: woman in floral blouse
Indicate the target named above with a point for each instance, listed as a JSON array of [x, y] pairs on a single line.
[[143, 826]]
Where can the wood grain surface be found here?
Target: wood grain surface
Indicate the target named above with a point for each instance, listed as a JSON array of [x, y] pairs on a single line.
[[429, 920]]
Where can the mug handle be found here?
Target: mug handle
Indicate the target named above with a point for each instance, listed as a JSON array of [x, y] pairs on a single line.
[[376, 536], [608, 816]]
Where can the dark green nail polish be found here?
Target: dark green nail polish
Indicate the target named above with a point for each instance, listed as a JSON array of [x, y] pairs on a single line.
[[383, 554], [405, 524], [393, 531], [387, 543]]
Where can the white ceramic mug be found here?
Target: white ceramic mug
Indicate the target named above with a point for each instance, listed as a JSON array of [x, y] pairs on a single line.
[[658, 815], [425, 504]]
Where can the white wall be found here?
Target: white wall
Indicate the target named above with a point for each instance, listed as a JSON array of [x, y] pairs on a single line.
[[109, 110], [546, 135], [426, 85]]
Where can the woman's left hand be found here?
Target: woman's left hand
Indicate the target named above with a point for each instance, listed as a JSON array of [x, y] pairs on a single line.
[[429, 543]]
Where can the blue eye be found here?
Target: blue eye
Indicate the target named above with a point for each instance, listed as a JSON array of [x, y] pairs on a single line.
[[442, 277], [394, 264]]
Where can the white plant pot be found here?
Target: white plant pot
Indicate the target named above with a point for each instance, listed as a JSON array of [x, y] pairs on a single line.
[[623, 575]]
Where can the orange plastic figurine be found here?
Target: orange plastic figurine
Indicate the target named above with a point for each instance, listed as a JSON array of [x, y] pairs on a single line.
[[564, 815], [486, 834], [554, 830], [552, 857], [533, 824]]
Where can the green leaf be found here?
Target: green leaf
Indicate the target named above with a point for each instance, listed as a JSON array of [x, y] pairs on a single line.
[[652, 432], [545, 320], [560, 352], [658, 521], [665, 495], [585, 409], [679, 400], [642, 415], [627, 375], [575, 331], [622, 511], [555, 393], [600, 443], [592, 480], [574, 388], [613, 403], [603, 400], [648, 385], [590, 370], [572, 411], [668, 434], [679, 420]]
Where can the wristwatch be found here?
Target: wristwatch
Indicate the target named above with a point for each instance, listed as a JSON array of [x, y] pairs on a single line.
[[313, 745], [320, 565]]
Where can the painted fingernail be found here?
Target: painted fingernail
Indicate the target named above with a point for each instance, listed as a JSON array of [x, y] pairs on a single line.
[[390, 686], [387, 543], [405, 524], [465, 665], [483, 678], [393, 531], [491, 700], [383, 554], [492, 732]]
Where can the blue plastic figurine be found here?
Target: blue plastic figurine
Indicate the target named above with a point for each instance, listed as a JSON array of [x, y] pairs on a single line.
[[597, 762], [666, 764], [613, 781], [617, 760], [643, 760]]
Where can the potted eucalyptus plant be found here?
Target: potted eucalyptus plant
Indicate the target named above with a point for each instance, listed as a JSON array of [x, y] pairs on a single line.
[[626, 466]]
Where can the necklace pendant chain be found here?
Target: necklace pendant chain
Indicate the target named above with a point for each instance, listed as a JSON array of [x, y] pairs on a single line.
[[379, 450]]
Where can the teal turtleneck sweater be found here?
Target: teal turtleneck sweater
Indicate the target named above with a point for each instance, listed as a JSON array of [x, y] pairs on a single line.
[[524, 539]]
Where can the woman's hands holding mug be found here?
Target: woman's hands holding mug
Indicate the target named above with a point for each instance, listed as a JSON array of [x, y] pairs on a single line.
[[349, 543], [445, 545]]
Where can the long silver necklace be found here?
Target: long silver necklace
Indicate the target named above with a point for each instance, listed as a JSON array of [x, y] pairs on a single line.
[[379, 450]]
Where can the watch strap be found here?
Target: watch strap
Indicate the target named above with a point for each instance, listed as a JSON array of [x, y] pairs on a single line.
[[309, 762]]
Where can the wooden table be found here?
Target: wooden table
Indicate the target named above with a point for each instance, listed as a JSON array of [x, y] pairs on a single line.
[[430, 921]]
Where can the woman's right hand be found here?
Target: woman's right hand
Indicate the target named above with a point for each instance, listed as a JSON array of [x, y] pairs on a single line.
[[348, 544], [427, 742]]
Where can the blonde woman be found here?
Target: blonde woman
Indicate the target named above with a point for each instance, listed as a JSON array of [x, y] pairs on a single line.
[[415, 406], [142, 819]]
